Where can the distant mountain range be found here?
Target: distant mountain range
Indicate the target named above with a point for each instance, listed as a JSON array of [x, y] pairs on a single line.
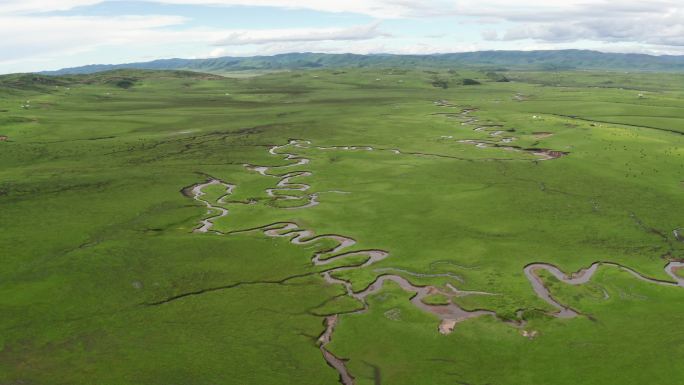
[[511, 60]]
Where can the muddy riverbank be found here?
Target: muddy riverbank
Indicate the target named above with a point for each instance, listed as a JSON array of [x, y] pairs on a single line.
[[583, 276]]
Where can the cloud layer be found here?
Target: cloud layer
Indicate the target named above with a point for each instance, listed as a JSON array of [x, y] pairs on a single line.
[[647, 22], [381, 9], [244, 37], [33, 36]]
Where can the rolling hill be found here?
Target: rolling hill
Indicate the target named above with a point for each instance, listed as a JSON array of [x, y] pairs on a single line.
[[527, 60]]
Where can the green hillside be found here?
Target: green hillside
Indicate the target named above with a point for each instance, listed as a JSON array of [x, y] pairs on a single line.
[[525, 60]]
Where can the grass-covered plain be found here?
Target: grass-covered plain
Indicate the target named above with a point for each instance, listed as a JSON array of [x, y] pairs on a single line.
[[104, 281]]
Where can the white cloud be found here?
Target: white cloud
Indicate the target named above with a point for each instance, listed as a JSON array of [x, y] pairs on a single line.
[[32, 6], [490, 34], [658, 23], [520, 10], [31, 36], [217, 52], [40, 40], [358, 32], [381, 9]]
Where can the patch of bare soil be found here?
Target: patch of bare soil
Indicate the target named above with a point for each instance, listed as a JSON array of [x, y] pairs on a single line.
[[542, 134], [447, 326]]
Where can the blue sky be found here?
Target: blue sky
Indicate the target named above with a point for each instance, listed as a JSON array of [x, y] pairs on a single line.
[[50, 34]]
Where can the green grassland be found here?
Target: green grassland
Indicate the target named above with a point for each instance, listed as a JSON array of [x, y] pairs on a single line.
[[105, 282]]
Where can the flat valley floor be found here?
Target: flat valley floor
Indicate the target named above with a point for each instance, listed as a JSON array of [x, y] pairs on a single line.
[[357, 226]]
